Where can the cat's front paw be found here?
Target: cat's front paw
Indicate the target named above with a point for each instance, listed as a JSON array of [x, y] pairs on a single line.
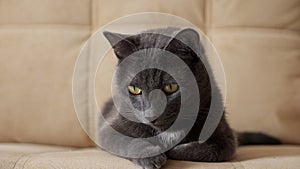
[[154, 162]]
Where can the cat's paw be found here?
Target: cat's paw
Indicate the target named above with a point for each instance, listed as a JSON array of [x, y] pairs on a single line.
[[154, 162]]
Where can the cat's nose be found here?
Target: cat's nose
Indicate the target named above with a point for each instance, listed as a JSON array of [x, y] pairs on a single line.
[[154, 106], [149, 115]]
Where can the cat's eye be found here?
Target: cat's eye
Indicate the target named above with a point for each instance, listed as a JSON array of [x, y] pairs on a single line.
[[134, 90], [170, 88]]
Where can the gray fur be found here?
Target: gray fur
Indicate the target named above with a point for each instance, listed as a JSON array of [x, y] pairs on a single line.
[[219, 147]]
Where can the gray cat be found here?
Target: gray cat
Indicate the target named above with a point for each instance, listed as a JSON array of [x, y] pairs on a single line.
[[220, 146]]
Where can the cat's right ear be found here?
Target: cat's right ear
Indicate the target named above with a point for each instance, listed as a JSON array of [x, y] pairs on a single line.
[[122, 44]]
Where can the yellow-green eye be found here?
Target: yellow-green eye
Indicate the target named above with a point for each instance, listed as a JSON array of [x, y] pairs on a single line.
[[171, 88], [134, 90]]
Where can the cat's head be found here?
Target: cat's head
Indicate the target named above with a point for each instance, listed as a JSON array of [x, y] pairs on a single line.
[[185, 44]]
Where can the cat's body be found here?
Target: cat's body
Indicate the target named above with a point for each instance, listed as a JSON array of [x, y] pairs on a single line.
[[220, 146]]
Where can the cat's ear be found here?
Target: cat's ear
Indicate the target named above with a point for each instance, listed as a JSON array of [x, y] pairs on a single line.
[[122, 44], [189, 37]]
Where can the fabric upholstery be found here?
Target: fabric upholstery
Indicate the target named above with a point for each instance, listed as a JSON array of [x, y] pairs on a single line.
[[38, 50], [258, 43], [25, 156]]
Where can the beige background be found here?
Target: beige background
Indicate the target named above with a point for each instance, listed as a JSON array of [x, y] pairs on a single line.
[[258, 41]]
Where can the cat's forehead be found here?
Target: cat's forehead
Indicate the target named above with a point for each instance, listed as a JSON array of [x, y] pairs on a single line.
[[151, 40], [152, 76]]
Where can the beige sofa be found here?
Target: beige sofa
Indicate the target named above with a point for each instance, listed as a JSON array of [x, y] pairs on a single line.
[[258, 42]]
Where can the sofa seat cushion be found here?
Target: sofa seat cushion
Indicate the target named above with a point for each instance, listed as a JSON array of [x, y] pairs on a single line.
[[29, 156]]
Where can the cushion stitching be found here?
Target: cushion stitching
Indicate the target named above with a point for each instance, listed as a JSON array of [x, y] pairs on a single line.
[[22, 156], [17, 161]]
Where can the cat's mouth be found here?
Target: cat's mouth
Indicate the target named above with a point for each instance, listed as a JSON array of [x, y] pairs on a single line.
[[155, 125], [153, 122], [159, 124]]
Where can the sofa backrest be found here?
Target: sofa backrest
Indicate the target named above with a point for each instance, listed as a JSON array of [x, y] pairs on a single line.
[[258, 42]]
